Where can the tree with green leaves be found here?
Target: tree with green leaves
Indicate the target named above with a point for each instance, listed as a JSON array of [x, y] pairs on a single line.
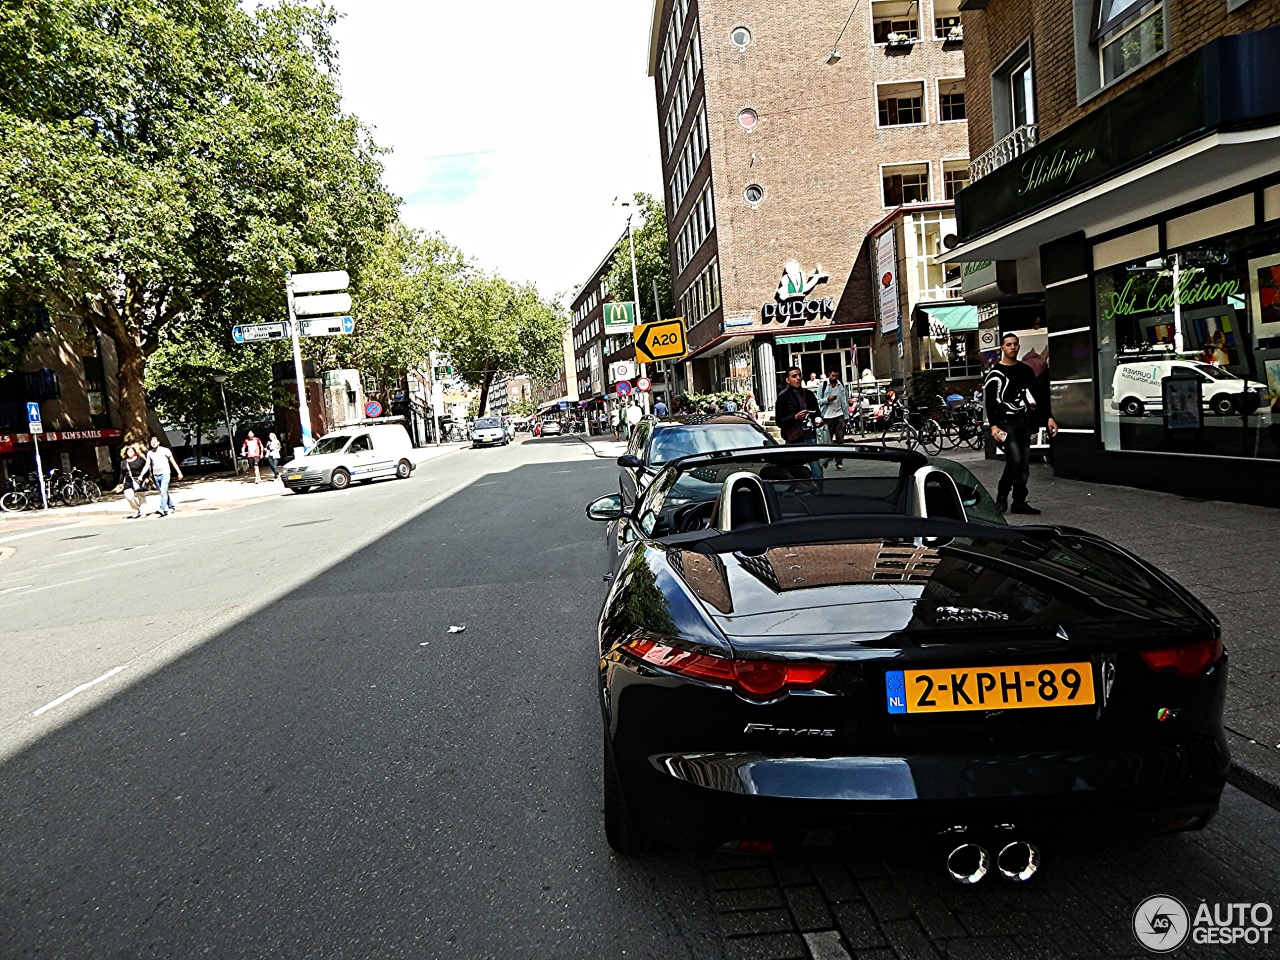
[[408, 277], [649, 232], [167, 159], [492, 327]]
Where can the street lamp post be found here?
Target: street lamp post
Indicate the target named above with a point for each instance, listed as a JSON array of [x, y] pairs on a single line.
[[220, 379], [635, 293]]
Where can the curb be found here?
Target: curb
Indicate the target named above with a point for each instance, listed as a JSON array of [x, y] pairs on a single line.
[[1249, 771]]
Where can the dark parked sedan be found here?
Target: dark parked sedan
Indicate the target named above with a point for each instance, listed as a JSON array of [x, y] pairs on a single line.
[[784, 657]]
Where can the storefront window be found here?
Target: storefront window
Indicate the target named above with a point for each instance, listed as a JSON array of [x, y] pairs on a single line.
[[1190, 350]]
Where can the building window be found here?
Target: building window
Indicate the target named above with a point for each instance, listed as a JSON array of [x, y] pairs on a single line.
[[1130, 33], [946, 20], [753, 194], [741, 37], [905, 183], [951, 100], [747, 119], [955, 177], [900, 103], [901, 18], [1013, 93]]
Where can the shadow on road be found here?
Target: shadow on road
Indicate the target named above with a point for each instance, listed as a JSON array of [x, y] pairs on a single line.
[[341, 776]]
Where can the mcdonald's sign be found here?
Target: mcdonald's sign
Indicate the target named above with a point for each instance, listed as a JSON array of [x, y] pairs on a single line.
[[619, 318]]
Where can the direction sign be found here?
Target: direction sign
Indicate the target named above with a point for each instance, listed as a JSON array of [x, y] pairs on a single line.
[[249, 332], [644, 384], [326, 327], [661, 340], [373, 409], [33, 412], [619, 318], [322, 305], [320, 282], [623, 388]]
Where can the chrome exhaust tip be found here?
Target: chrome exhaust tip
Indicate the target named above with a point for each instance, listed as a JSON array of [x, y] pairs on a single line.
[[1018, 861], [968, 863]]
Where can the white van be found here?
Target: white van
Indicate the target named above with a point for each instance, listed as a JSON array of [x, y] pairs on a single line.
[[363, 451], [1136, 386]]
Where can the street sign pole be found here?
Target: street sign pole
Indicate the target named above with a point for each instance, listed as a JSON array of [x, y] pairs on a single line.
[[304, 415], [36, 427], [635, 292]]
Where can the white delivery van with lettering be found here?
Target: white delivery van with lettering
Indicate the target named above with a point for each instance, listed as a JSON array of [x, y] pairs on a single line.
[[1137, 387]]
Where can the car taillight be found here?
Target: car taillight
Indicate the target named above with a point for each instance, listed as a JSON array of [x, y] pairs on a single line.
[[758, 679], [1188, 661]]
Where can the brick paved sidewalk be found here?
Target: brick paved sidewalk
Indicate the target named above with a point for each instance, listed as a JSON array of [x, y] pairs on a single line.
[[1225, 553]]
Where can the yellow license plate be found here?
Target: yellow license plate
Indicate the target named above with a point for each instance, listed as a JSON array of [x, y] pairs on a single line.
[[295, 476], [989, 688]]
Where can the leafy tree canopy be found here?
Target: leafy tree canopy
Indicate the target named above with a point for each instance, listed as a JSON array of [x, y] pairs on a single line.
[[649, 230], [170, 158]]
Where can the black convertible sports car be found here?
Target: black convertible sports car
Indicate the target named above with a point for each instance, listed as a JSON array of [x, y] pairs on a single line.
[[787, 655]]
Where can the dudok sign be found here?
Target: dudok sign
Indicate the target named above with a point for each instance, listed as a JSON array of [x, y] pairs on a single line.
[[791, 296]]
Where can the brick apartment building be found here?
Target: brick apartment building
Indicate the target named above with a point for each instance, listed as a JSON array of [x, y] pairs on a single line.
[[1125, 204], [787, 134]]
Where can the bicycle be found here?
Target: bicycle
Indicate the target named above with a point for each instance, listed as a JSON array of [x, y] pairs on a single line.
[[912, 429], [80, 489], [17, 497], [962, 424]]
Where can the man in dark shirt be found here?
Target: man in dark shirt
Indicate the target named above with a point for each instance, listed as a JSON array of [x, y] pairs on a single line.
[[794, 401], [1009, 414]]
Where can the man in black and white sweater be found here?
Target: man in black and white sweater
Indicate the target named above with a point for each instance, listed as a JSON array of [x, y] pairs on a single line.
[[1005, 390]]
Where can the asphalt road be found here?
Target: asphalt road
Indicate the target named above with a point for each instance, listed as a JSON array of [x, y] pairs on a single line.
[[297, 758], [288, 754]]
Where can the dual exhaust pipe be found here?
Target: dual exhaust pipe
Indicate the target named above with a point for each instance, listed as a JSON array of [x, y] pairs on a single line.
[[970, 863]]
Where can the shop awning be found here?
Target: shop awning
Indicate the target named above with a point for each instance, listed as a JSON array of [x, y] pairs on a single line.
[[957, 318], [801, 338]]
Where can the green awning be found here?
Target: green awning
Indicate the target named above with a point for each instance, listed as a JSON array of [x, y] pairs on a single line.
[[957, 318], [807, 337]]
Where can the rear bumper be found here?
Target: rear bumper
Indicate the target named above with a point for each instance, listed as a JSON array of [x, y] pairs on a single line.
[[1144, 789]]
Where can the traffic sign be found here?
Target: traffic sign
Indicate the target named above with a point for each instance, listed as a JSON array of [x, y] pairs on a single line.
[[621, 370], [322, 305], [373, 409], [619, 318], [643, 384], [564, 404], [33, 412], [35, 426], [661, 340], [320, 282], [326, 327], [623, 388], [249, 332]]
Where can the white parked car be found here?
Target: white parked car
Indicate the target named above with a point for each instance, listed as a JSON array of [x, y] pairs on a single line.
[[361, 452], [1136, 386]]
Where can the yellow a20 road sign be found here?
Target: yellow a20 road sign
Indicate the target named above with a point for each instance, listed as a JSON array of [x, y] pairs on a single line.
[[661, 340]]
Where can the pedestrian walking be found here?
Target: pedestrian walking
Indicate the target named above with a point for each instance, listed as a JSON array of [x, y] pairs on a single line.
[[797, 415], [252, 451], [615, 419], [132, 466], [751, 408], [1006, 388], [833, 402], [159, 460], [660, 409], [731, 405], [273, 455]]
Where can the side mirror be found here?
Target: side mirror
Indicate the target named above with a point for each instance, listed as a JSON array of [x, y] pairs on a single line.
[[631, 461], [605, 508]]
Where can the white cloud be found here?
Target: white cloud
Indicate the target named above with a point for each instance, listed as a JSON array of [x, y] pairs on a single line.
[[513, 124]]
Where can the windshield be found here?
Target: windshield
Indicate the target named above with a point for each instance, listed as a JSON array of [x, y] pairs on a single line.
[[681, 441], [487, 423], [1215, 373], [332, 444]]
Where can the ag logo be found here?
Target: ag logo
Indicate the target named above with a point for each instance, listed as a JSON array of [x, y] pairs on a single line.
[[886, 280], [794, 285], [1161, 924]]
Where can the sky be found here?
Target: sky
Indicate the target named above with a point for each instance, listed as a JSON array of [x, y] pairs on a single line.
[[513, 124]]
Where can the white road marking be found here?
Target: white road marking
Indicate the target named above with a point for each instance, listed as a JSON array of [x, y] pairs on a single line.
[[101, 572], [80, 689], [36, 533], [23, 587]]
